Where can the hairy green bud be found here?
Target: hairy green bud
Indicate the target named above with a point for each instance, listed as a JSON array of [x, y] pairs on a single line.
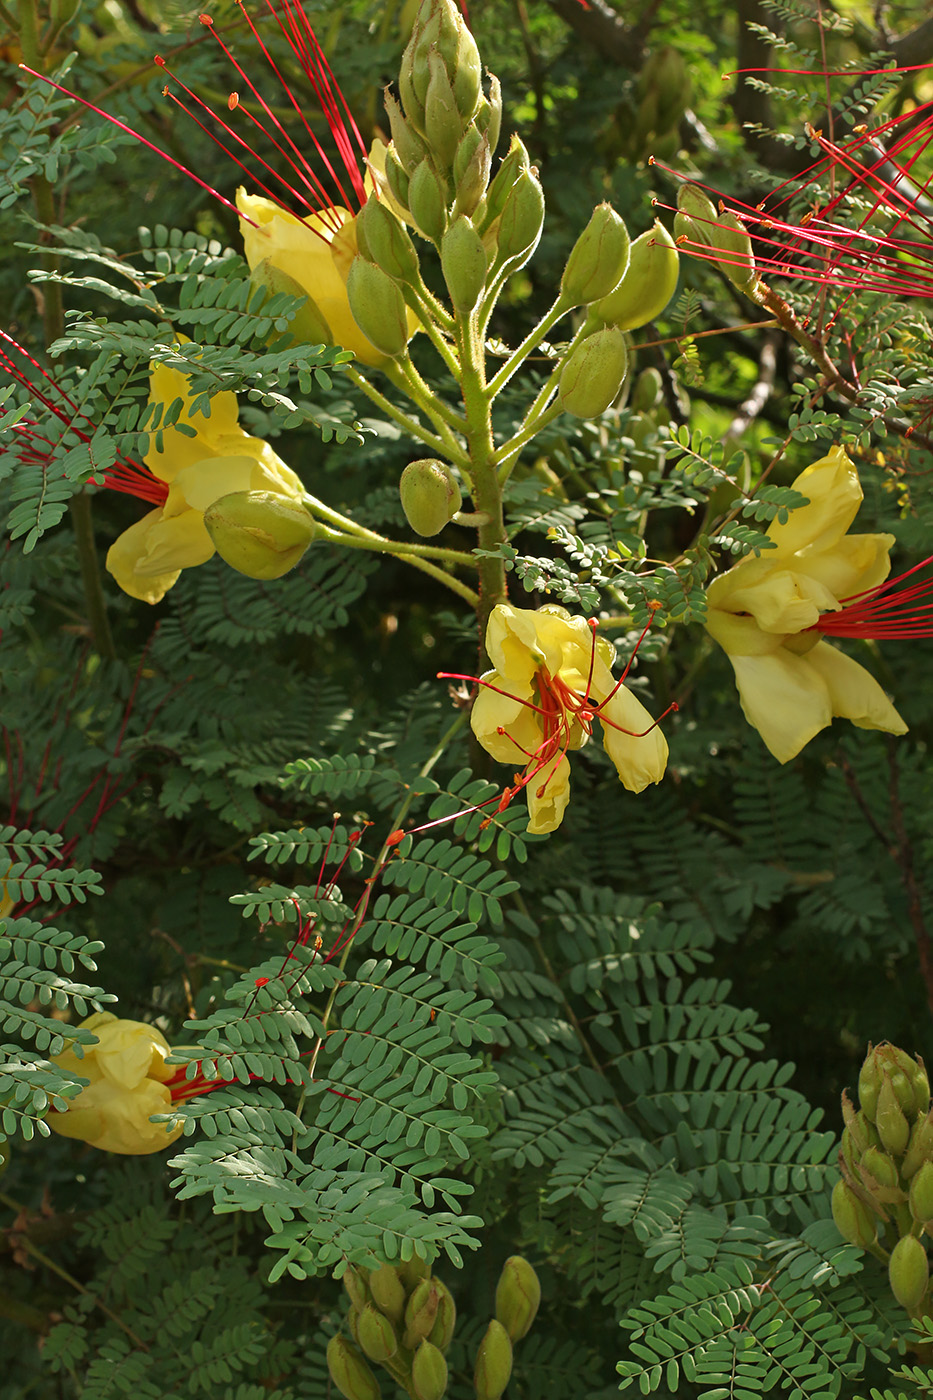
[[259, 533], [349, 1371], [890, 1120], [409, 147], [378, 307], [593, 373], [420, 1312], [375, 1334], [869, 1084], [427, 201], [428, 1373], [696, 216], [597, 260], [738, 261], [518, 1296], [384, 240], [355, 1285], [471, 171], [510, 167], [464, 264], [396, 178], [877, 1169], [521, 222], [921, 1194], [443, 125], [441, 1334], [430, 496], [854, 1220], [908, 1272], [648, 391], [649, 282], [388, 1293], [493, 1363], [920, 1083], [489, 114], [410, 1271], [920, 1147]]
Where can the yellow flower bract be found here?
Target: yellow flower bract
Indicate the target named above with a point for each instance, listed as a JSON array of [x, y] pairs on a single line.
[[791, 682]]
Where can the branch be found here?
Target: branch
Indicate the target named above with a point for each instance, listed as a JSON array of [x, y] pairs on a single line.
[[601, 28]]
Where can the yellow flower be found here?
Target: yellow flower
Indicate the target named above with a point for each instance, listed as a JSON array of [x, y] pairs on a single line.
[[147, 559], [765, 613], [127, 1071], [316, 252], [551, 681]]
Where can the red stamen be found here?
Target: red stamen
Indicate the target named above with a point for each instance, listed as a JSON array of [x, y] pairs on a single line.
[[887, 612]]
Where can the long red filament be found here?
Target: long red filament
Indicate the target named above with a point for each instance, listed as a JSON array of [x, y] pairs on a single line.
[[889, 611]]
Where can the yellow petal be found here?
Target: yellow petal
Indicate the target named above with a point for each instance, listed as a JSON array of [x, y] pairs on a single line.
[[504, 707], [548, 794], [740, 636], [129, 551], [168, 546], [204, 482], [126, 1051], [376, 179], [835, 495], [782, 600], [179, 450], [518, 644], [854, 693], [640, 758], [114, 1119], [853, 565], [783, 697]]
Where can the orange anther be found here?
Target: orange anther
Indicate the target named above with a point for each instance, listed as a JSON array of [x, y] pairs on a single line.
[[159, 61], [205, 19], [233, 101]]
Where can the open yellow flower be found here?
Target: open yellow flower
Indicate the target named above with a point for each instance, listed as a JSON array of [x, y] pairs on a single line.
[[194, 472], [127, 1071], [551, 681], [766, 615]]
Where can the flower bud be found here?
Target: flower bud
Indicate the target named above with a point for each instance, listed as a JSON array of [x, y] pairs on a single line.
[[384, 240], [908, 1272], [649, 282], [739, 260], [443, 125], [349, 1371], [428, 1373], [356, 1288], [409, 147], [420, 1312], [375, 1334], [430, 495], [513, 165], [309, 325], [410, 1271], [493, 1363], [463, 262], [920, 1147], [518, 1295], [259, 533], [880, 1175], [854, 1220], [388, 1293], [396, 178], [921, 1194], [471, 171], [441, 1334], [598, 259], [377, 306], [869, 1084], [489, 114], [648, 391], [696, 217], [467, 74], [920, 1084], [893, 1127], [593, 373], [427, 201]]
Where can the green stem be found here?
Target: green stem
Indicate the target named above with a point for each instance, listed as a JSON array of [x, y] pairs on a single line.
[[405, 377], [411, 425], [407, 554], [487, 492], [350, 527], [510, 451], [531, 341], [426, 308]]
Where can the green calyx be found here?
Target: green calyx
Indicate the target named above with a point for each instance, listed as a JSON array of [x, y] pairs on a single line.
[[259, 533]]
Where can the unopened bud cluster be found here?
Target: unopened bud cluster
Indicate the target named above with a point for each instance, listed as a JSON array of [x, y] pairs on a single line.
[[884, 1202], [698, 222], [402, 1318]]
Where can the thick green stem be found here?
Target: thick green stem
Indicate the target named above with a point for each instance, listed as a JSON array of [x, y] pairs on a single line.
[[487, 493]]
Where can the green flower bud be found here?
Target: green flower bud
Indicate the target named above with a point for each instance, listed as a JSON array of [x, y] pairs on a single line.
[[666, 73], [259, 533], [356, 1288], [384, 240], [420, 1312], [854, 1220], [908, 1272], [893, 1127], [699, 213], [353, 1322], [518, 1295], [428, 1373], [593, 373], [410, 1271], [522, 220], [903, 1090], [649, 283], [388, 1293], [489, 114], [739, 260], [430, 495], [441, 1334], [309, 325], [598, 259], [396, 178], [375, 1334], [409, 147], [493, 1363], [467, 74], [513, 165], [648, 391], [443, 125], [920, 1147], [377, 306], [471, 171], [920, 1084], [427, 201], [349, 1371], [921, 1194], [463, 262], [878, 1170], [869, 1084]]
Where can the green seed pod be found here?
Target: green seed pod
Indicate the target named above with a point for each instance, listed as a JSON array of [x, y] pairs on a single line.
[[921, 1194], [309, 325], [428, 1373], [349, 1371], [388, 1293], [493, 1363], [355, 1285], [908, 1272], [409, 147], [427, 201], [649, 283], [259, 533], [420, 1312], [593, 373], [869, 1084], [443, 125], [597, 260], [412, 1270], [463, 262], [441, 1334], [920, 1147], [384, 240], [377, 306], [854, 1220], [430, 495], [893, 1127], [375, 1334], [518, 1296]]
